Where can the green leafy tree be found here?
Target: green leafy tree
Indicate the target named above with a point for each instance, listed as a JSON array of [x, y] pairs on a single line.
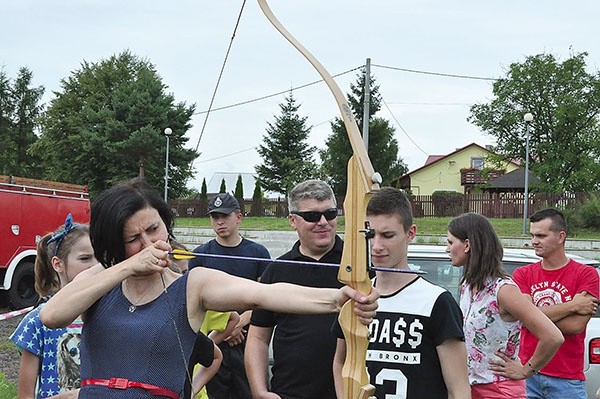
[[382, 149], [107, 125], [191, 194], [239, 192], [564, 137], [223, 188], [20, 110], [287, 158]]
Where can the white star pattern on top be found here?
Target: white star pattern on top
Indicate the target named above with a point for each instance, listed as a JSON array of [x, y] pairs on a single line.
[[31, 335]]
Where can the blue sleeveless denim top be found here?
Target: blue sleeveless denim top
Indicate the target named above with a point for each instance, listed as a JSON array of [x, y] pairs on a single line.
[[141, 346]]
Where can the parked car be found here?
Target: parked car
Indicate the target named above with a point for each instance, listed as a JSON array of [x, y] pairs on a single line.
[[434, 260]]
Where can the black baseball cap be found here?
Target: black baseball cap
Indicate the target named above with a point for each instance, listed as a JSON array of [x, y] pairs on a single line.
[[223, 203]]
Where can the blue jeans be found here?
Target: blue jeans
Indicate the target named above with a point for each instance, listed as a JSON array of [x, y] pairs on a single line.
[[541, 386]]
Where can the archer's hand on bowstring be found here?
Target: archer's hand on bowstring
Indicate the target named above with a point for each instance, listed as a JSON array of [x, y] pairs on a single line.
[[152, 259], [365, 306]]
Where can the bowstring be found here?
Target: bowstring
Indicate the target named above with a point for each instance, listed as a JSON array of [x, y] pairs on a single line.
[[180, 344], [189, 254]]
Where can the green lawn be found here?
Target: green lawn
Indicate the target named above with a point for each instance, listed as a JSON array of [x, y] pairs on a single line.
[[425, 226], [8, 390]]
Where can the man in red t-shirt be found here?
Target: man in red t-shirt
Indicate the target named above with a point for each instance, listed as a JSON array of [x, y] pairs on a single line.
[[567, 292]]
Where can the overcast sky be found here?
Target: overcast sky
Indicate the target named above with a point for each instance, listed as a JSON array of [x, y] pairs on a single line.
[[187, 42]]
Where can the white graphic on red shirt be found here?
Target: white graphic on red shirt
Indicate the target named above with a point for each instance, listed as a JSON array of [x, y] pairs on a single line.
[[547, 297]]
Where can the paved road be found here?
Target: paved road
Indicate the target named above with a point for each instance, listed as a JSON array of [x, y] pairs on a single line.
[[279, 242]]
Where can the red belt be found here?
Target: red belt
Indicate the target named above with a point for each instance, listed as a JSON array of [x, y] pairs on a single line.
[[123, 383]]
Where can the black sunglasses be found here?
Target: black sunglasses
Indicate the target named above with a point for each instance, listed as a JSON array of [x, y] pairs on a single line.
[[315, 216]]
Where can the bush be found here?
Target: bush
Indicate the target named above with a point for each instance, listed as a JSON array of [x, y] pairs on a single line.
[[447, 203], [584, 216], [574, 222], [589, 213]]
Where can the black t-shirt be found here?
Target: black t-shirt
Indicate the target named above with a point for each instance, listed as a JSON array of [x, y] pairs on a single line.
[[250, 269], [203, 353], [410, 324], [303, 345]]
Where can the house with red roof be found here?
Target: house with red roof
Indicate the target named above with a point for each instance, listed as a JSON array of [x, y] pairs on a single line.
[[460, 171]]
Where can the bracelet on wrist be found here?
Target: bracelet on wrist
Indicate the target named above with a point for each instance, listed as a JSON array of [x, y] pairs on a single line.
[[532, 369]]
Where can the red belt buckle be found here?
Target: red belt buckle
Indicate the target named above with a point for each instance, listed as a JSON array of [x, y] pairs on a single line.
[[118, 383]]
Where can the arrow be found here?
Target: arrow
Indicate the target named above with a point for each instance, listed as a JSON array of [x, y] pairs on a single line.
[[180, 254]]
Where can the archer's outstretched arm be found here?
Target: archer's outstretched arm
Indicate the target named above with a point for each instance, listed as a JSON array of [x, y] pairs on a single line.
[[216, 290]]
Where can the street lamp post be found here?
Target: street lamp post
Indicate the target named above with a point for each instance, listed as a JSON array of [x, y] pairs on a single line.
[[528, 117], [167, 132]]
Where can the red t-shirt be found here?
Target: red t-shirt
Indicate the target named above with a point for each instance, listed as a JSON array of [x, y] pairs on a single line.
[[553, 287]]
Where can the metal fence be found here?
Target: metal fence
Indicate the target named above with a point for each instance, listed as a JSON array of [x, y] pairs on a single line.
[[491, 205]]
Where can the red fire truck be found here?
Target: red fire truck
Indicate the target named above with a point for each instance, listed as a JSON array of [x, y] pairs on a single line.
[[29, 209]]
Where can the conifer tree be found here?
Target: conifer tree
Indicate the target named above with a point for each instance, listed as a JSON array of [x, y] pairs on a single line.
[[287, 157], [239, 192], [107, 120], [20, 110], [257, 200], [383, 147], [203, 190]]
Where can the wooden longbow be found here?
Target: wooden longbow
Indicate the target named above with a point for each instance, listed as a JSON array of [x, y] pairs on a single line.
[[362, 182]]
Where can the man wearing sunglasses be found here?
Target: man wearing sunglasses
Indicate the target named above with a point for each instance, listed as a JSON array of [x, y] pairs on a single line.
[[303, 345]]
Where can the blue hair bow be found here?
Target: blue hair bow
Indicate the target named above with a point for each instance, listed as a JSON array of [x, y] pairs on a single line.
[[69, 226]]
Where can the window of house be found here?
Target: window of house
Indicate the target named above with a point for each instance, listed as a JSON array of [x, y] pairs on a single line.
[[477, 163]]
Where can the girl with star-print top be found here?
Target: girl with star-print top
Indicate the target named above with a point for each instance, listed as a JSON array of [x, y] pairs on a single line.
[[50, 357]]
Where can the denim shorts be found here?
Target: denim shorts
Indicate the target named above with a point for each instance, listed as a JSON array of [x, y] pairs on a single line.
[[541, 386]]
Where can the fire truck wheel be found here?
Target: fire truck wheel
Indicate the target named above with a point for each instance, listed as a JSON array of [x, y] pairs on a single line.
[[22, 292]]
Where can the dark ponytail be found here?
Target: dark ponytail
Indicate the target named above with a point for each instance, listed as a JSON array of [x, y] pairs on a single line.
[[46, 278]]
